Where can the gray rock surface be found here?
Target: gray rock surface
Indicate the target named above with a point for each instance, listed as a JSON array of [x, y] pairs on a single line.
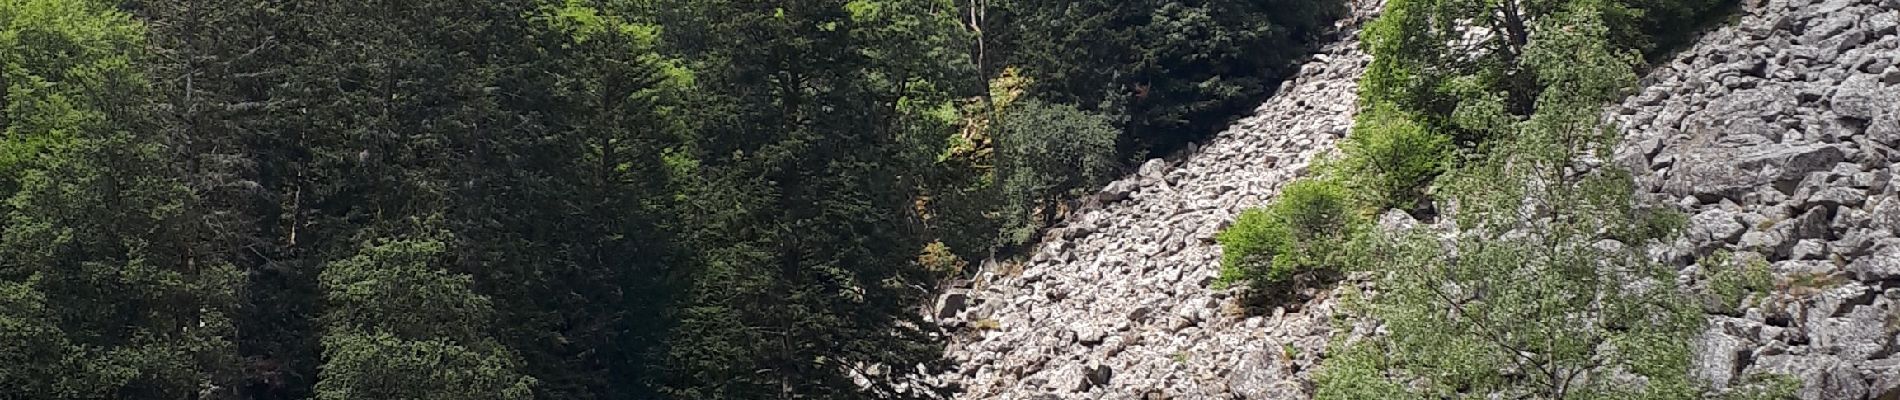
[[1795, 163], [1127, 310]]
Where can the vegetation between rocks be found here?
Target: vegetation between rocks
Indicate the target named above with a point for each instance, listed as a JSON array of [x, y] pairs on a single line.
[[1532, 279]]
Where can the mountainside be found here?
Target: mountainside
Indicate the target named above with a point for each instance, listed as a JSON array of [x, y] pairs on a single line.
[[1778, 135], [1117, 302], [752, 199]]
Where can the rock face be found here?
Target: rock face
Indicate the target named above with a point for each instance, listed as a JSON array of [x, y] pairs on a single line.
[[1778, 136], [1116, 303]]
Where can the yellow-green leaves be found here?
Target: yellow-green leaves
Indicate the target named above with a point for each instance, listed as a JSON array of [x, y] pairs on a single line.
[[584, 22], [64, 65]]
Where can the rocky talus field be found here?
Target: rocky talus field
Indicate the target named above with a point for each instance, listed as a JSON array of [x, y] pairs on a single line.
[[1776, 133], [1117, 302]]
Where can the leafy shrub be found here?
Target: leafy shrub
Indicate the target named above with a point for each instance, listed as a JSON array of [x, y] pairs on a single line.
[[1308, 229], [1390, 160], [1044, 153], [1249, 244], [937, 259]]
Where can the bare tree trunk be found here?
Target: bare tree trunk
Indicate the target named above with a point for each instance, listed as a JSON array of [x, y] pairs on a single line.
[[1514, 30]]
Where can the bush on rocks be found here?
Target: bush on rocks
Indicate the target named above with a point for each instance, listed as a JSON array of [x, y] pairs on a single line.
[[1390, 160], [1306, 232]]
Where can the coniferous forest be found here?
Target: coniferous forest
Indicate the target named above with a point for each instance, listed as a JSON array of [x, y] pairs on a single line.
[[645, 199]]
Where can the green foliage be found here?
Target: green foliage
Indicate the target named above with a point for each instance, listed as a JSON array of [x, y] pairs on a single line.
[[395, 287], [938, 259], [59, 60], [142, 316], [1172, 71], [1546, 292], [1046, 153], [398, 326], [1731, 280], [1765, 387], [1473, 90], [103, 292], [803, 220], [1390, 159], [1359, 370], [1249, 244], [1310, 229], [1526, 312], [362, 365]]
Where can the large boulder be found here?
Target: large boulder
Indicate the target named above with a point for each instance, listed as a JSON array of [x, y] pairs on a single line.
[[1863, 97], [1743, 112], [1716, 226], [1072, 378], [1720, 357], [1885, 128], [1885, 216], [951, 303], [1887, 386], [1259, 375], [1847, 319], [1718, 171], [1099, 375], [1883, 265], [1117, 191], [1823, 377], [1153, 171]]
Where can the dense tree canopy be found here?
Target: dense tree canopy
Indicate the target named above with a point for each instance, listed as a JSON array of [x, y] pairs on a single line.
[[107, 292], [1170, 71], [456, 199]]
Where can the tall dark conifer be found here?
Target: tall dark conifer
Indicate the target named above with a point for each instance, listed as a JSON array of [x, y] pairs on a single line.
[[808, 286]]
